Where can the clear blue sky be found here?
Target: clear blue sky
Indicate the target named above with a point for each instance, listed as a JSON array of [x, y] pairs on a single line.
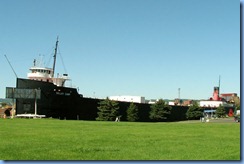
[[126, 47]]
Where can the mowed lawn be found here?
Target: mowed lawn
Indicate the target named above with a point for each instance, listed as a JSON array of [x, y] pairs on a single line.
[[50, 139]]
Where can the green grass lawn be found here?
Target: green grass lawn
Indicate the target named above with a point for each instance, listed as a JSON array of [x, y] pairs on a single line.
[[49, 139]]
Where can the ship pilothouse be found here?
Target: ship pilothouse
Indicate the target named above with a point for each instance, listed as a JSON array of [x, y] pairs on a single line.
[[45, 74]]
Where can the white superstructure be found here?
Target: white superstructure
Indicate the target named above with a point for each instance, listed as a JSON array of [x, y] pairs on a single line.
[[40, 73], [45, 74], [213, 104], [134, 99]]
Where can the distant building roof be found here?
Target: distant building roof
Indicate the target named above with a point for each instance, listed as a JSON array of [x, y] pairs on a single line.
[[228, 94]]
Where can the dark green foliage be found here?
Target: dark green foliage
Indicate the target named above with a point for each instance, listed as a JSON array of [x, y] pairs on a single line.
[[107, 110], [160, 111], [220, 112], [194, 112], [132, 112], [238, 107]]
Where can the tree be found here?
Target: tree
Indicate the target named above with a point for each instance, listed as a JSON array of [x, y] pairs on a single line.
[[160, 111], [235, 100], [220, 111], [194, 112], [238, 107], [4, 104], [132, 112], [108, 110]]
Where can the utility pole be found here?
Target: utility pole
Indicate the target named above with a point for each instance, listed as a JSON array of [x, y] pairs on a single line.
[[179, 93], [219, 84]]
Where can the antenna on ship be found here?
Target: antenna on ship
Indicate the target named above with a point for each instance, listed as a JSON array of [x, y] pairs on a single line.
[[11, 66], [54, 56]]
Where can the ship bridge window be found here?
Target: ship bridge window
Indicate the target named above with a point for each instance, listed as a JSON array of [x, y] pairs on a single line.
[[34, 71], [46, 71]]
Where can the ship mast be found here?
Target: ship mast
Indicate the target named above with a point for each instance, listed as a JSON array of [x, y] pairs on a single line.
[[54, 56]]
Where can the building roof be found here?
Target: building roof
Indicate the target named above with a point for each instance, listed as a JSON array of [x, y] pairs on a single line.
[[228, 94]]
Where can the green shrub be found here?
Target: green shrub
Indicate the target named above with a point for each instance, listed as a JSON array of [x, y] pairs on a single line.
[[132, 113], [194, 112], [107, 110], [160, 111]]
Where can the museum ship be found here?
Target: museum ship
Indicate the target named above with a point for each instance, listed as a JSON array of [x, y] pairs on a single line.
[[56, 100], [62, 102]]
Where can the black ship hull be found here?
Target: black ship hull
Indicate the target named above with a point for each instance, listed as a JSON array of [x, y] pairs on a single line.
[[67, 103], [56, 102]]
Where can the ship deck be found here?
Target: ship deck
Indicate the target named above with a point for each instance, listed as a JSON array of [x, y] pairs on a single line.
[[30, 116]]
